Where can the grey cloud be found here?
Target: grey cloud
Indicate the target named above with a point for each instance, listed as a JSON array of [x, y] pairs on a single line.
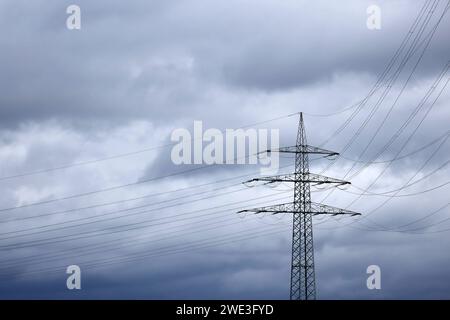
[[142, 60]]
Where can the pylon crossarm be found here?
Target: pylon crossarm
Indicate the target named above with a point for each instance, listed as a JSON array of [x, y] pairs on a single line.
[[304, 149], [277, 208], [316, 209], [307, 178], [319, 208]]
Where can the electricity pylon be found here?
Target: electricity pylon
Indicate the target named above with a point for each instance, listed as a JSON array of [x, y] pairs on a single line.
[[303, 284]]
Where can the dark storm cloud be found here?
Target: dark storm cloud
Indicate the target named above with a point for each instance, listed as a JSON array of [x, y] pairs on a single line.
[[154, 59]]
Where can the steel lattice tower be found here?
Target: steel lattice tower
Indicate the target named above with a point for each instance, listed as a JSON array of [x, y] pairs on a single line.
[[303, 284]]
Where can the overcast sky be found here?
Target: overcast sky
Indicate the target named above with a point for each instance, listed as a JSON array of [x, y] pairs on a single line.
[[86, 114]]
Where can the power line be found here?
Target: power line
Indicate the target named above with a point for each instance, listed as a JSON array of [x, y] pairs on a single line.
[[411, 230], [143, 181], [407, 155], [121, 155], [368, 144], [170, 235], [400, 195], [89, 234], [407, 141], [188, 248], [417, 109], [396, 191], [392, 81], [423, 101], [381, 78], [151, 195], [324, 115], [111, 213]]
